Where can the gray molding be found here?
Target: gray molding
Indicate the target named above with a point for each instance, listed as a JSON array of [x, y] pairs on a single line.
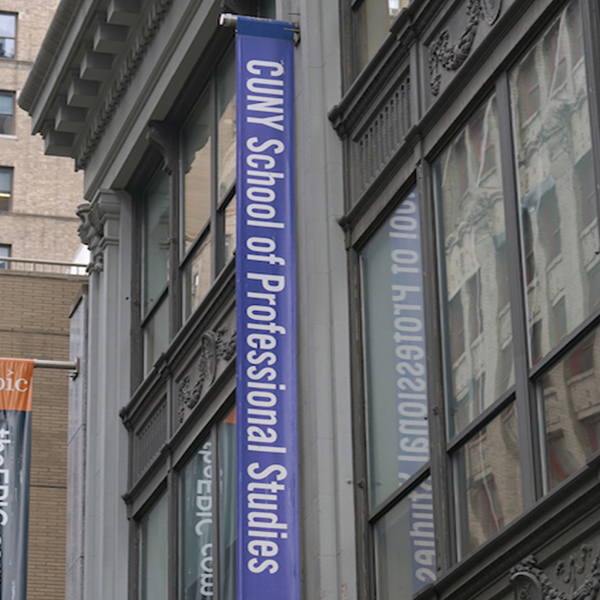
[[452, 56], [530, 582]]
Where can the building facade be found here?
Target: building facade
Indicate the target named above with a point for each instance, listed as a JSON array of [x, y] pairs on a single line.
[[447, 160], [38, 193], [35, 324], [38, 198]]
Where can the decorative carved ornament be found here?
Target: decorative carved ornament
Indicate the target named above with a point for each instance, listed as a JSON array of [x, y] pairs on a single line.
[[451, 57], [212, 349], [531, 583], [91, 229]]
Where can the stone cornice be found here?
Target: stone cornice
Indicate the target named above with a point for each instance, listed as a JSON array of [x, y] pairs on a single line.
[[129, 65]]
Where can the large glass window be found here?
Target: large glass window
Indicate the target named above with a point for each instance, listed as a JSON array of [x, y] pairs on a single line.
[[155, 268], [397, 405], [478, 333], [512, 412], [556, 183], [208, 207], [207, 517], [203, 239]]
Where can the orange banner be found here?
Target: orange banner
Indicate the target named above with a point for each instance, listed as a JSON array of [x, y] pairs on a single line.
[[15, 384]]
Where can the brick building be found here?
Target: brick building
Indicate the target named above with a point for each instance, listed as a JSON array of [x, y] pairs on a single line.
[[38, 194], [37, 326], [38, 198]]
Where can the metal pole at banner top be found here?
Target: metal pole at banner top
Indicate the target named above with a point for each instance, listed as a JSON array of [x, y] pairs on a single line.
[[66, 365]]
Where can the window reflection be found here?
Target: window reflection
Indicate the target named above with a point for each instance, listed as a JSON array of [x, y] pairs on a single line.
[[478, 340], [227, 123], [197, 160], [569, 396], [155, 234], [374, 20], [405, 546], [556, 182], [488, 481], [198, 275]]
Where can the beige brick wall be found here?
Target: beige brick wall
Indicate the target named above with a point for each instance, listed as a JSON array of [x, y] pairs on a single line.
[[42, 185], [34, 323]]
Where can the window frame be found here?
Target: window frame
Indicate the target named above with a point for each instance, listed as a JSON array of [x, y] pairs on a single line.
[[165, 152]]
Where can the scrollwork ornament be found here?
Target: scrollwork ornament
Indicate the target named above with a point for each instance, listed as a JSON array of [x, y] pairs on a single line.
[[452, 56], [212, 349], [530, 582]]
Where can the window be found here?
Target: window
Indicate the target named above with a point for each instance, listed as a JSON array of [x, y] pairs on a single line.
[[546, 196], [586, 188], [4, 253], [8, 34], [187, 228], [153, 535], [208, 205], [200, 548], [399, 489], [6, 177], [529, 88], [554, 48], [484, 145], [515, 313], [374, 18], [7, 106], [475, 308], [471, 272]]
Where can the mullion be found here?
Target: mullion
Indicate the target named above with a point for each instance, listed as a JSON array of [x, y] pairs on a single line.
[[400, 493], [590, 18], [155, 306], [483, 419], [528, 438], [566, 345], [439, 461]]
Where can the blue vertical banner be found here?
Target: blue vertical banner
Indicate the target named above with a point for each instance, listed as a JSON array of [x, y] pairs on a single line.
[[268, 562]]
